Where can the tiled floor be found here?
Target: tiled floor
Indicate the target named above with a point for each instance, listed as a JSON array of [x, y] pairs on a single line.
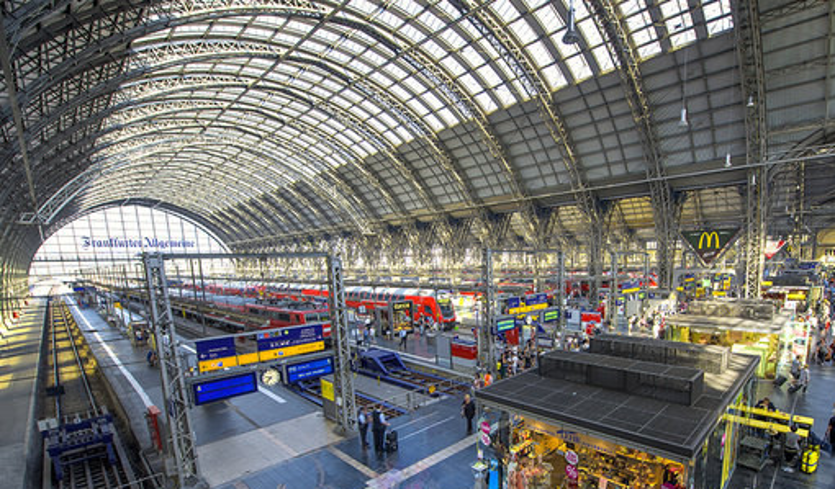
[[816, 403], [434, 452]]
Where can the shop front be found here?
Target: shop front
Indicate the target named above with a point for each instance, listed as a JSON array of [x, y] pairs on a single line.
[[549, 433]]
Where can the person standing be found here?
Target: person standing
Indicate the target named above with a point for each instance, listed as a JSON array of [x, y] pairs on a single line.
[[468, 411], [830, 432], [362, 421], [378, 429], [403, 336], [795, 369], [804, 379]]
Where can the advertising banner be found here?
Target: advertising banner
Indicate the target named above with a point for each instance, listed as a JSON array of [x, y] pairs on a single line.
[[709, 244]]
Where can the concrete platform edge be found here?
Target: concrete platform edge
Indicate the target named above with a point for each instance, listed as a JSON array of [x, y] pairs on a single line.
[[32, 441]]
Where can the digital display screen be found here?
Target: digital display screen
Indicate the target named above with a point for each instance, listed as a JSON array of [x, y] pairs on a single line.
[[505, 324], [213, 349], [309, 370], [224, 388], [551, 315]]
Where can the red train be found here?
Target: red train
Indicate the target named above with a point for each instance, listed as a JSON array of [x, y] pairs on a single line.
[[427, 303]]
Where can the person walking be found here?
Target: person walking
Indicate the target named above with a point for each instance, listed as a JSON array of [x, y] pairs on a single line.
[[362, 421], [403, 336], [468, 411], [378, 429]]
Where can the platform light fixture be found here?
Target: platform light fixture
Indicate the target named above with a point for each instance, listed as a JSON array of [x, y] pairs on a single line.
[[571, 36], [682, 122], [750, 101], [728, 160]]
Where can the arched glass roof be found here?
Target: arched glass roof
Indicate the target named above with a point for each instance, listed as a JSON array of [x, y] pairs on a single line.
[[296, 116]]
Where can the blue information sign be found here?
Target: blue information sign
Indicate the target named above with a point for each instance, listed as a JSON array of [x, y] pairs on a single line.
[[309, 370], [290, 337], [213, 349], [513, 302], [224, 388], [505, 324], [534, 299]]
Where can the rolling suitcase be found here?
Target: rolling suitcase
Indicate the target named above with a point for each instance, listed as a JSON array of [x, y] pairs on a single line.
[[809, 459], [794, 388], [391, 441], [780, 380]]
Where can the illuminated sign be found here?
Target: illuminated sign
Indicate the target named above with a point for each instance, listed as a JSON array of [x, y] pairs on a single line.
[[550, 315], [309, 370], [505, 323], [224, 388], [709, 244], [526, 309], [402, 306]]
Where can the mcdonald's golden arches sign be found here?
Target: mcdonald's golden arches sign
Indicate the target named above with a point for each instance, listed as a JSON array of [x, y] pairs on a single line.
[[709, 244]]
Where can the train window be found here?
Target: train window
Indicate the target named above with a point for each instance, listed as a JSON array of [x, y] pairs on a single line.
[[284, 316], [427, 310]]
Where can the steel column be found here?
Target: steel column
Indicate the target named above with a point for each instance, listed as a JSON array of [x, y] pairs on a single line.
[[182, 446], [749, 51], [486, 349], [342, 374]]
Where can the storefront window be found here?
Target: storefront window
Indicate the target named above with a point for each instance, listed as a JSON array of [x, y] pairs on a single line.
[[544, 456]]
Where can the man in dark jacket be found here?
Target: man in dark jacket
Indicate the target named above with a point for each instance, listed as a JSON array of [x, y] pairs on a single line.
[[378, 429], [468, 411]]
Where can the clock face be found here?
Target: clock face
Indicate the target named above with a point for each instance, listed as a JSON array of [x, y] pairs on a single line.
[[270, 376]]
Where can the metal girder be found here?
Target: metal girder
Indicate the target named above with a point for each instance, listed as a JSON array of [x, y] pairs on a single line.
[[610, 21], [788, 8], [750, 55], [486, 21], [181, 446], [14, 104], [486, 347]]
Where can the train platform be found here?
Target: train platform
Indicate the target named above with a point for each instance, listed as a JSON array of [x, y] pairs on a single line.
[[19, 359], [275, 438], [434, 452]]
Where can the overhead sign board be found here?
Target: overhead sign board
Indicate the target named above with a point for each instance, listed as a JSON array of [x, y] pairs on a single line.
[[224, 388], [310, 369], [215, 354], [214, 348], [534, 299], [513, 302], [291, 341], [402, 306], [709, 244]]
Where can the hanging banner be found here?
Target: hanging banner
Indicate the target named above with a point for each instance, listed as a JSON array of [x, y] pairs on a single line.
[[709, 244], [772, 247]]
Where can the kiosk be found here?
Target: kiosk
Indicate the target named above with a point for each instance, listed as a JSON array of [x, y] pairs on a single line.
[[633, 412]]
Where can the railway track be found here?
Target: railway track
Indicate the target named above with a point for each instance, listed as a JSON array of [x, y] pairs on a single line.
[[82, 448]]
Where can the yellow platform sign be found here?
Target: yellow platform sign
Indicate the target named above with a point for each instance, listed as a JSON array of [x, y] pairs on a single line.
[[524, 309], [289, 351], [217, 364]]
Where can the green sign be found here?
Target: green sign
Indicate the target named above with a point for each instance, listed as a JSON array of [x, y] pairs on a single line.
[[505, 324], [550, 315], [709, 244]]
